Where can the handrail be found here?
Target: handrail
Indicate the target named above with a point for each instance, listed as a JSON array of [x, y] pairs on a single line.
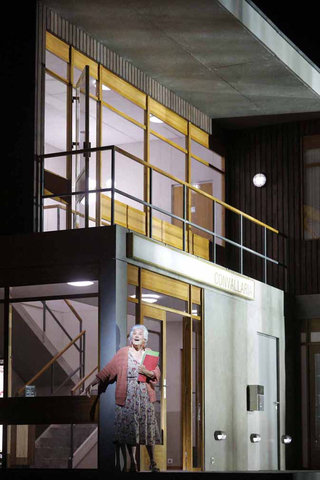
[[48, 365], [158, 170], [73, 310], [83, 380]]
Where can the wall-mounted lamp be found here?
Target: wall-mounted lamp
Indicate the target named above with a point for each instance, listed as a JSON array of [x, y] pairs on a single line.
[[220, 435], [259, 180], [255, 438], [286, 439]]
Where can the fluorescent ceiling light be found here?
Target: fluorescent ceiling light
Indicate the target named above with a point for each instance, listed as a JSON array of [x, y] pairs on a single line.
[[84, 283], [154, 119], [148, 297], [104, 87]]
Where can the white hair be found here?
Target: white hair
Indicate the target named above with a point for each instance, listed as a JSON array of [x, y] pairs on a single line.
[[141, 327]]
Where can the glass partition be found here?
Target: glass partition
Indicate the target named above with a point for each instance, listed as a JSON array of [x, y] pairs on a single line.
[[54, 341]]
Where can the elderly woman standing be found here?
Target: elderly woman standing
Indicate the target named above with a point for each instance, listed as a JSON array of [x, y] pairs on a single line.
[[135, 420]]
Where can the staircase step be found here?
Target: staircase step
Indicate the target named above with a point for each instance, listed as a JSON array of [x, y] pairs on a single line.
[[52, 452], [51, 442], [53, 446]]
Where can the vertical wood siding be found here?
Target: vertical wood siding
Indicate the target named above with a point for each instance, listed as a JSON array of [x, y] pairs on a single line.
[[276, 151], [89, 46]]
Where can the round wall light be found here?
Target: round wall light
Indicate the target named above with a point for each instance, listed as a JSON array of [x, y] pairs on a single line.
[[220, 435], [259, 180], [255, 438], [80, 284]]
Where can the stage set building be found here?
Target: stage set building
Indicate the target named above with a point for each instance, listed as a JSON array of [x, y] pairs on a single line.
[[135, 138]]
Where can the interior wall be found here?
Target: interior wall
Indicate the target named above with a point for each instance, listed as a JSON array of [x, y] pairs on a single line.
[[23, 44], [231, 325]]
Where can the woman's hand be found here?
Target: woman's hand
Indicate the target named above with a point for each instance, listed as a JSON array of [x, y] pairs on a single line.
[[92, 384], [142, 369], [88, 390]]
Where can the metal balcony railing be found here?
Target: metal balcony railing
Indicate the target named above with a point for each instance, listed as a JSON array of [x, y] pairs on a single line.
[[150, 208]]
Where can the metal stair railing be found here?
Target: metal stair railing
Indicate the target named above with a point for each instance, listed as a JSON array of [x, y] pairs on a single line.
[[51, 364]]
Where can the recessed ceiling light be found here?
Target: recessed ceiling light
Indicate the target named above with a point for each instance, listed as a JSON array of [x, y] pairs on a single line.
[[81, 284], [154, 119], [150, 300], [148, 297]]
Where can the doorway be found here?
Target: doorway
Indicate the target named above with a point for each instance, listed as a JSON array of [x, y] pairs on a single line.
[[171, 311], [269, 417]]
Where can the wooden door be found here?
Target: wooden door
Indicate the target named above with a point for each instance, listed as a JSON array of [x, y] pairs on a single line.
[[154, 320], [201, 208]]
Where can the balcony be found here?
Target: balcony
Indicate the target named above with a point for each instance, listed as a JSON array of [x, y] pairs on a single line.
[[217, 233]]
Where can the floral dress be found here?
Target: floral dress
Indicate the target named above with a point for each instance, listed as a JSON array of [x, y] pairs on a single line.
[[135, 421]]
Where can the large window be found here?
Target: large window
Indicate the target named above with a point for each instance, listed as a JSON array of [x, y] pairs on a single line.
[[53, 351], [311, 158], [144, 132]]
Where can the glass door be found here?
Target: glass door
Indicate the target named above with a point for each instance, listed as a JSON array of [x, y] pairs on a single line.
[[154, 320], [81, 166]]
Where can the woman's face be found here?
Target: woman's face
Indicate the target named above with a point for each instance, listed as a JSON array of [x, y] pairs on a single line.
[[137, 336]]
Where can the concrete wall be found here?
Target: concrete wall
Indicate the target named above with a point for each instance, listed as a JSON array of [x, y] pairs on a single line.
[[231, 325]]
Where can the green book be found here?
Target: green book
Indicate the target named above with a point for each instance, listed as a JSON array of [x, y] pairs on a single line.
[[149, 352]]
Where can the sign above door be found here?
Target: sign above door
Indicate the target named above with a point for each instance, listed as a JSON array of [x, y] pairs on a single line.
[[151, 252]]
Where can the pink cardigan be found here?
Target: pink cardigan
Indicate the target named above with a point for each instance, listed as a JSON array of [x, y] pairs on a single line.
[[116, 370]]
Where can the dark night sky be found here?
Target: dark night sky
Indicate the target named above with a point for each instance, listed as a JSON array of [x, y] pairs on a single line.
[[298, 21]]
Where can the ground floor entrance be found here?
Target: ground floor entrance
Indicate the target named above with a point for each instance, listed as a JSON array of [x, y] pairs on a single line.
[[171, 311]]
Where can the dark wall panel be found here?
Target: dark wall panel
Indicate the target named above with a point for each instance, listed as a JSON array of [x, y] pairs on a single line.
[[275, 150], [19, 59]]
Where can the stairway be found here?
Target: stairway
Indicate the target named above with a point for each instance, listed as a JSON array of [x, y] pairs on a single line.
[[29, 338], [52, 448]]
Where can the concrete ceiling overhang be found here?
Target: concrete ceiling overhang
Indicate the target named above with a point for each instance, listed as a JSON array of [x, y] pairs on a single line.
[[222, 56]]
